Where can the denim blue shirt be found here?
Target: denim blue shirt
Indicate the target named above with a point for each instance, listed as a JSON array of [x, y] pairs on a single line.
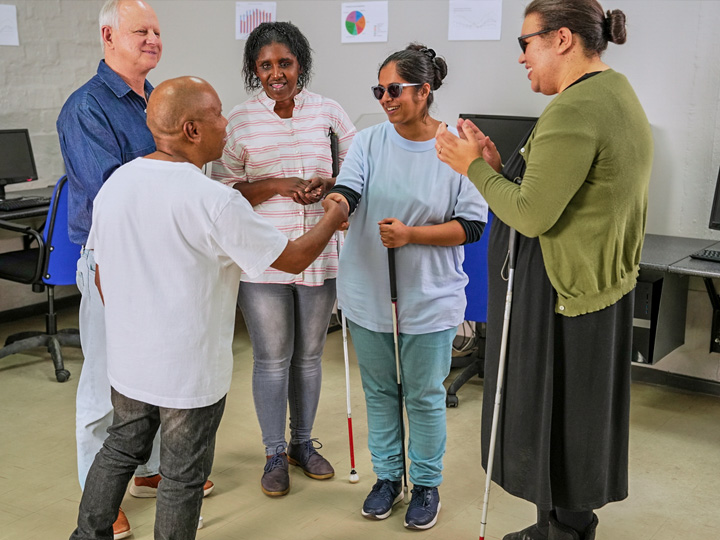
[[101, 126]]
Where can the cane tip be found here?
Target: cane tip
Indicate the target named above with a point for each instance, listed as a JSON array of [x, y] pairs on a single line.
[[354, 478]]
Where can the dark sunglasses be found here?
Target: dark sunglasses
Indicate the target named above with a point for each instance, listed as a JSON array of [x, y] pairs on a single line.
[[522, 39], [393, 89]]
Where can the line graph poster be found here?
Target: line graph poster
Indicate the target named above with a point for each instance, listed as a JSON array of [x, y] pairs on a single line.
[[8, 25], [364, 22], [248, 15], [474, 20]]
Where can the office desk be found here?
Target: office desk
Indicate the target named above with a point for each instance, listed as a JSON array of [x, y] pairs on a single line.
[[660, 252], [33, 216], [707, 270], [34, 211], [661, 295]]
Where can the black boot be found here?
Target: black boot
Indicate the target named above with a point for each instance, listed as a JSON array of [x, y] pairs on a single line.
[[559, 531], [538, 531], [530, 533]]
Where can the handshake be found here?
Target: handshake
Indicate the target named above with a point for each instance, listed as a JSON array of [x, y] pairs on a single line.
[[336, 210]]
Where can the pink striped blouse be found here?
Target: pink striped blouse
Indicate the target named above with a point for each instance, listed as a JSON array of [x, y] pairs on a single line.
[[262, 145]]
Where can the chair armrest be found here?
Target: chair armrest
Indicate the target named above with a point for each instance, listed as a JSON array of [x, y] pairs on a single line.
[[8, 225], [22, 229]]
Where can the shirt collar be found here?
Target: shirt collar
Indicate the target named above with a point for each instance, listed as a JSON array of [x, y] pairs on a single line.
[[115, 82], [270, 103]]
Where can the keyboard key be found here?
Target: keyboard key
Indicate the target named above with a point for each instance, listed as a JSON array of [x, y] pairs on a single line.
[[8, 205], [707, 255]]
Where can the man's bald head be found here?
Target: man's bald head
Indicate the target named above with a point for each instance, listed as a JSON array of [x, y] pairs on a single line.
[[186, 112]]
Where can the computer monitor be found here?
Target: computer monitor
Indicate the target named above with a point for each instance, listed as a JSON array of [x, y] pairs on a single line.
[[505, 131], [17, 163], [715, 209]]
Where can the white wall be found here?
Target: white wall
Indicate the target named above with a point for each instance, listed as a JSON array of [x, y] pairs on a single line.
[[671, 58]]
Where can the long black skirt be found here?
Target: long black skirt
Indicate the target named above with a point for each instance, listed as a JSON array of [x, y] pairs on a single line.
[[563, 431]]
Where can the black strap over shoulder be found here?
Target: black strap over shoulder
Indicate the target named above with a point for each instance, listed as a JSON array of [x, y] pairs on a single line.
[[514, 169]]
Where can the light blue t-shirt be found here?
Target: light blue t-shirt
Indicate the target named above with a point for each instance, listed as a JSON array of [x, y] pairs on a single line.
[[405, 180]]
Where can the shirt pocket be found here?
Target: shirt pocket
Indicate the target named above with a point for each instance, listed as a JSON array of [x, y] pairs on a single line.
[[265, 161]]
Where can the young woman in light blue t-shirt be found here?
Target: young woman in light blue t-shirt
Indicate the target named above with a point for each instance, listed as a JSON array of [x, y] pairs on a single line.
[[403, 197]]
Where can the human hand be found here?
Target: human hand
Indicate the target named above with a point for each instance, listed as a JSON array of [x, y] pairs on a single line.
[[317, 187], [458, 152], [334, 203], [490, 152], [394, 233], [479, 135], [491, 155], [292, 187]]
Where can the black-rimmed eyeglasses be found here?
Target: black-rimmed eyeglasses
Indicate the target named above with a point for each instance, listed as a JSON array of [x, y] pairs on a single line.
[[393, 89], [522, 39]]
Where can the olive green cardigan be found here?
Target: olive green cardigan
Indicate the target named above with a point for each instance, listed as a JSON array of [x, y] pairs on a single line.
[[584, 193]]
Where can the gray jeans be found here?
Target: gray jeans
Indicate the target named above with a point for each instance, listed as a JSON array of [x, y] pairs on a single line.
[[186, 457], [288, 326]]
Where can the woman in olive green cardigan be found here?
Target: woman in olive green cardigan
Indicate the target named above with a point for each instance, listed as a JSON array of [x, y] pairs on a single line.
[[580, 211]]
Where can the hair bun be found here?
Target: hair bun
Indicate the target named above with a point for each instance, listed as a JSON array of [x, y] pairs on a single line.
[[614, 27], [430, 53]]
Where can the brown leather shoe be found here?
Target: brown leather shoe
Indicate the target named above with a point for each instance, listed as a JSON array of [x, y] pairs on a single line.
[[121, 527], [146, 486], [275, 481], [305, 456]]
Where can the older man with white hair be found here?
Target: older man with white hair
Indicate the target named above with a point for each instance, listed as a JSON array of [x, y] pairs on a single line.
[[102, 126]]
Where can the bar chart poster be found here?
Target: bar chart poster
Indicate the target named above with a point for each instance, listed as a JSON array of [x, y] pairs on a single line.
[[364, 22], [248, 15]]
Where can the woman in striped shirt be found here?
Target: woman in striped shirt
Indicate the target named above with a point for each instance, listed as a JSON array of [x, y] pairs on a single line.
[[278, 156]]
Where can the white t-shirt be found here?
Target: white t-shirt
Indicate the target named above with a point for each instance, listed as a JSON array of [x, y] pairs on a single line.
[[170, 244]]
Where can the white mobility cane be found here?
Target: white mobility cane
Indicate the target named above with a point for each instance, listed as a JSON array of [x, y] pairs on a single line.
[[501, 375], [354, 478]]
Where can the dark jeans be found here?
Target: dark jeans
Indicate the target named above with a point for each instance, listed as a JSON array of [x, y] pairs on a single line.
[[186, 457]]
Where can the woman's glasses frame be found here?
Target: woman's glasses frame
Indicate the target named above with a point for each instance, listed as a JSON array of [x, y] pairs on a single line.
[[393, 89], [522, 40]]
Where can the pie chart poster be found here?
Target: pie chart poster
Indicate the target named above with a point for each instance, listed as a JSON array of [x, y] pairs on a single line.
[[364, 22]]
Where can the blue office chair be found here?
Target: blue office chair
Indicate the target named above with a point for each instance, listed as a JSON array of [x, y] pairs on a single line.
[[53, 262], [476, 292]]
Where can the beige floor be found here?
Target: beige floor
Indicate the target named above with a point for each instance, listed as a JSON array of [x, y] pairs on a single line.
[[674, 475]]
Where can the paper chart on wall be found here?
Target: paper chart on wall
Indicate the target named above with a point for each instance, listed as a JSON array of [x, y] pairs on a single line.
[[474, 20], [364, 22], [8, 25], [249, 15]]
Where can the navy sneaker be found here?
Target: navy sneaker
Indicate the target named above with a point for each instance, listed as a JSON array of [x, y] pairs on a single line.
[[424, 508], [384, 495]]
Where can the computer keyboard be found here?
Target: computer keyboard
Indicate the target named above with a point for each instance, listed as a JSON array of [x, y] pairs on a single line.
[[8, 205], [707, 255]]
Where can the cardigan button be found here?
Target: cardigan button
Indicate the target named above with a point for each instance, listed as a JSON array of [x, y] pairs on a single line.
[[562, 308]]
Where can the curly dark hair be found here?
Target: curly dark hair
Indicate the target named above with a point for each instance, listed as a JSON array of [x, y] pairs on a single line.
[[276, 32], [418, 64]]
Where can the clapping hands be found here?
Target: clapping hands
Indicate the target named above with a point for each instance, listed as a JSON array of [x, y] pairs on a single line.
[[460, 152]]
